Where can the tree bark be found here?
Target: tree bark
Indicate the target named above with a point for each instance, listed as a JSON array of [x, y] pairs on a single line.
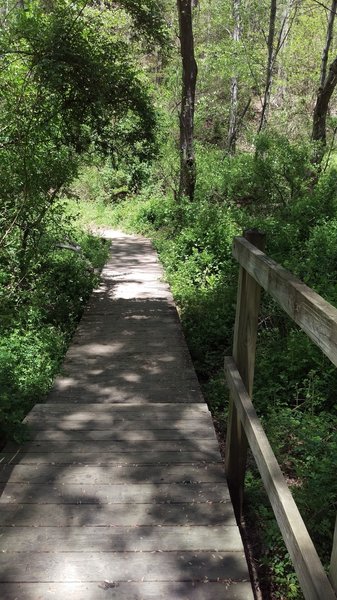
[[233, 115], [328, 82], [322, 105], [285, 27], [326, 49], [270, 65], [189, 79], [274, 48]]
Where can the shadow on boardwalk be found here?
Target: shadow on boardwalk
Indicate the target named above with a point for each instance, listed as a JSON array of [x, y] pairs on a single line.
[[120, 493]]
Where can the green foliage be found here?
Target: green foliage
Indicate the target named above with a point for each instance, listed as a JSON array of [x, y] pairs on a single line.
[[305, 446], [29, 357], [37, 324], [320, 257], [69, 85], [270, 179]]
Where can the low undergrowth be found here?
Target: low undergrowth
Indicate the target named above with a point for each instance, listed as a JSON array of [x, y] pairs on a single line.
[[38, 318]]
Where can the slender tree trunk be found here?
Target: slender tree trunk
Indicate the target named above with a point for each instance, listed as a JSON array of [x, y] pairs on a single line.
[[328, 82], [322, 105], [189, 79], [270, 65], [281, 71], [274, 48], [326, 49], [233, 115]]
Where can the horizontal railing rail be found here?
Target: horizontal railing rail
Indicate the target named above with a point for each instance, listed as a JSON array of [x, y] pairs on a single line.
[[318, 319]]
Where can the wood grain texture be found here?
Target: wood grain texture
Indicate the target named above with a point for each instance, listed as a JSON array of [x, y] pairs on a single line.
[[118, 447], [122, 539], [117, 515], [80, 433], [127, 493], [122, 566], [106, 458], [244, 344], [112, 590], [97, 475], [333, 562]]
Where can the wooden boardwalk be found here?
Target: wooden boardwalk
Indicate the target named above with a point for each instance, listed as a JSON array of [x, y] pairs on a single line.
[[121, 494]]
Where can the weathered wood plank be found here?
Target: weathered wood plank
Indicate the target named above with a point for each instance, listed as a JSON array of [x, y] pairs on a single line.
[[310, 311], [122, 539], [113, 447], [129, 368], [128, 493], [206, 473], [101, 458], [201, 432], [311, 574], [100, 590], [119, 427], [122, 566], [90, 421], [145, 395], [333, 562], [117, 515], [244, 344], [131, 411]]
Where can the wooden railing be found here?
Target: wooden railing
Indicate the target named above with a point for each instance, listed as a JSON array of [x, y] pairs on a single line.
[[318, 319]]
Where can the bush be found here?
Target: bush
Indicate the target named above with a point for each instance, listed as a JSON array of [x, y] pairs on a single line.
[[38, 322]]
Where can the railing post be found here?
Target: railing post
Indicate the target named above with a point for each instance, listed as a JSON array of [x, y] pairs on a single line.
[[244, 343], [333, 564]]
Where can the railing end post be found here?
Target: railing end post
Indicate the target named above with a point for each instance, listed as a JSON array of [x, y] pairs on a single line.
[[255, 237]]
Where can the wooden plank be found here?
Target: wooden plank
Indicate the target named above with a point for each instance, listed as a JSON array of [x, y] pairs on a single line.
[[206, 473], [101, 458], [119, 447], [200, 432], [145, 395], [244, 344], [92, 421], [123, 566], [128, 493], [131, 411], [103, 590], [117, 515], [310, 311], [333, 562], [125, 539], [312, 577], [168, 415], [82, 370], [104, 373]]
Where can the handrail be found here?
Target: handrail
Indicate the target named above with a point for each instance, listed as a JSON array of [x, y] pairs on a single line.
[[310, 311], [318, 319]]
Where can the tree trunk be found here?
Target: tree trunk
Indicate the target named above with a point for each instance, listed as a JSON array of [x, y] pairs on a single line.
[[270, 65], [274, 48], [285, 27], [328, 82], [233, 115], [189, 79], [322, 105], [326, 49]]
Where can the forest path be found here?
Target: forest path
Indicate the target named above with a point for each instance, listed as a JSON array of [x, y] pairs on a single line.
[[121, 494]]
